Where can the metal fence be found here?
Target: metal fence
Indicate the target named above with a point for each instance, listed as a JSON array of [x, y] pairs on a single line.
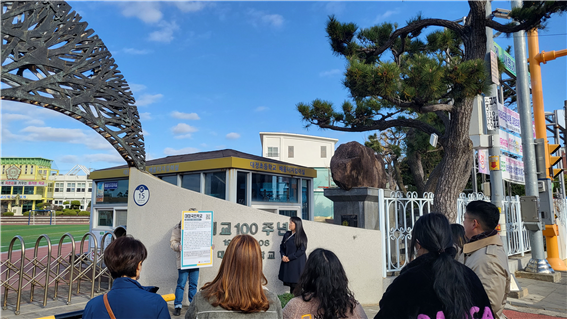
[[51, 272], [398, 214]]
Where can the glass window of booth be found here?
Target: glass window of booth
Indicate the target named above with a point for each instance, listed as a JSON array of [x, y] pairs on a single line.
[[105, 217], [305, 199], [271, 188], [191, 182], [172, 179], [215, 184], [242, 188], [110, 192]]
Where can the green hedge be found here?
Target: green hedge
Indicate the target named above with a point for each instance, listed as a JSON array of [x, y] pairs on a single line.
[[84, 213], [26, 213], [8, 214], [58, 213], [285, 298]]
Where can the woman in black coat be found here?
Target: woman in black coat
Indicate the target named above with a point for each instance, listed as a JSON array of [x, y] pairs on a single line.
[[434, 285], [292, 249]]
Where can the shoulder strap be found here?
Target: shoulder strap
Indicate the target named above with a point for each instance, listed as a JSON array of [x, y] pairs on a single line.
[[107, 305]]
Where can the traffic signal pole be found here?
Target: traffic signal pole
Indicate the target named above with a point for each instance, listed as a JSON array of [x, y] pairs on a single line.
[[545, 195], [537, 263]]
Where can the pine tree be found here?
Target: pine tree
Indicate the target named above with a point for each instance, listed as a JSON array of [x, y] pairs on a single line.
[[395, 78]]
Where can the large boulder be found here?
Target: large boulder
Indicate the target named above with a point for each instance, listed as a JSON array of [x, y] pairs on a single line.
[[355, 165]]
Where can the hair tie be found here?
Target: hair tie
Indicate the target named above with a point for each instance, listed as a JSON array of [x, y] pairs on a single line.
[[440, 251]]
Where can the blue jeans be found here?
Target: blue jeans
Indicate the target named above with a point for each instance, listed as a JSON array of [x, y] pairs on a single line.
[[193, 275]]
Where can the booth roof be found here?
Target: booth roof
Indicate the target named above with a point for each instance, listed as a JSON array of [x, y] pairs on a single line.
[[205, 156]]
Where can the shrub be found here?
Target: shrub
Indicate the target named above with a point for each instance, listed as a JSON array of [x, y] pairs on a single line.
[[66, 202], [26, 213], [69, 213], [84, 213], [285, 298], [8, 214], [59, 208], [58, 213]]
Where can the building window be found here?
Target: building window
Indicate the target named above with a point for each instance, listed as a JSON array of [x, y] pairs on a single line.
[[191, 182], [273, 152], [90, 190], [70, 187], [6, 190], [17, 190], [81, 187], [28, 190], [172, 179], [215, 184], [290, 152], [59, 187], [271, 188], [26, 170], [289, 213], [31, 169], [40, 190], [3, 169], [323, 151], [242, 188], [111, 192]]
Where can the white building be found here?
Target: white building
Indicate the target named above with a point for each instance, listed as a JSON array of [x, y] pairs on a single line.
[[310, 151], [72, 186]]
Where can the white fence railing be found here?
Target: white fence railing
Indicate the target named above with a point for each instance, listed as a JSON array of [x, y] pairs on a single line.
[[398, 215]]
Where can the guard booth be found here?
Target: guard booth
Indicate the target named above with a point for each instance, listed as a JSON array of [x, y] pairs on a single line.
[[270, 185]]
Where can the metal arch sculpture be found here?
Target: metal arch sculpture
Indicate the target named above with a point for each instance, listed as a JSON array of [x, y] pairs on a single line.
[[50, 59]]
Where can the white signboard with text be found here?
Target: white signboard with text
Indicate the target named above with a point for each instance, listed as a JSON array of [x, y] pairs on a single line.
[[196, 239]]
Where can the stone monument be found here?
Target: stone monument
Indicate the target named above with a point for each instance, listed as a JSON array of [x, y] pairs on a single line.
[[359, 173]]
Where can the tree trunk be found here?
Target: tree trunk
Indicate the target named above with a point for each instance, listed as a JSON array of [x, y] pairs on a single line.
[[398, 175], [456, 162]]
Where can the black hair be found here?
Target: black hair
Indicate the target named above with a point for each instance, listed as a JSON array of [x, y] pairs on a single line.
[[458, 232], [325, 279], [486, 213], [123, 255], [300, 236], [433, 233]]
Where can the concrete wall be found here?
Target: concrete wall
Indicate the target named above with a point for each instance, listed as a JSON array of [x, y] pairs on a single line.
[[306, 148], [358, 249]]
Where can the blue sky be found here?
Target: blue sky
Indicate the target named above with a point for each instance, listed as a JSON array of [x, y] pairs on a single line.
[[212, 75]]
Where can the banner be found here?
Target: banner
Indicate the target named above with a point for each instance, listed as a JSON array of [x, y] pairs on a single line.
[[510, 143], [483, 162], [512, 169], [196, 239]]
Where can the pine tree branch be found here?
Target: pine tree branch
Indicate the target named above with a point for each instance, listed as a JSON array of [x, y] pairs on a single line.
[[413, 27], [381, 125], [420, 107], [444, 118]]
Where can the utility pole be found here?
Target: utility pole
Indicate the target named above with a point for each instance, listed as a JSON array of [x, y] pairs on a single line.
[[496, 187], [538, 263], [545, 196]]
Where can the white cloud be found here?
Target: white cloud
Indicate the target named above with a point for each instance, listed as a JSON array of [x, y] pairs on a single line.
[[204, 145], [261, 108], [137, 87], [220, 147], [183, 128], [191, 6], [104, 157], [257, 18], [64, 135], [185, 116], [330, 73], [179, 137], [387, 14], [186, 150], [72, 159], [147, 99], [165, 33], [135, 51], [147, 11], [145, 133], [145, 116], [233, 136]]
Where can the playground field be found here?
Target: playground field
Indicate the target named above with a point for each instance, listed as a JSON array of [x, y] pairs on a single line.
[[30, 233]]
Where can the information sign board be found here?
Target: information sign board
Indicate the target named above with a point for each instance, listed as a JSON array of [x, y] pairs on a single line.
[[196, 239]]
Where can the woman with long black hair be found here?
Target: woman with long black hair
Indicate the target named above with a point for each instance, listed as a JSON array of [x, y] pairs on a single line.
[[434, 285], [322, 291], [292, 250]]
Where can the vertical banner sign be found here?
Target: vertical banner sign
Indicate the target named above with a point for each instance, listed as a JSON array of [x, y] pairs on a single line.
[[99, 192], [196, 239], [483, 161], [494, 68], [491, 108], [494, 163]]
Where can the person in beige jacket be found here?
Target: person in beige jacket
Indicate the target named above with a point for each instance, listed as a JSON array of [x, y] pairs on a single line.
[[485, 254], [183, 274]]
